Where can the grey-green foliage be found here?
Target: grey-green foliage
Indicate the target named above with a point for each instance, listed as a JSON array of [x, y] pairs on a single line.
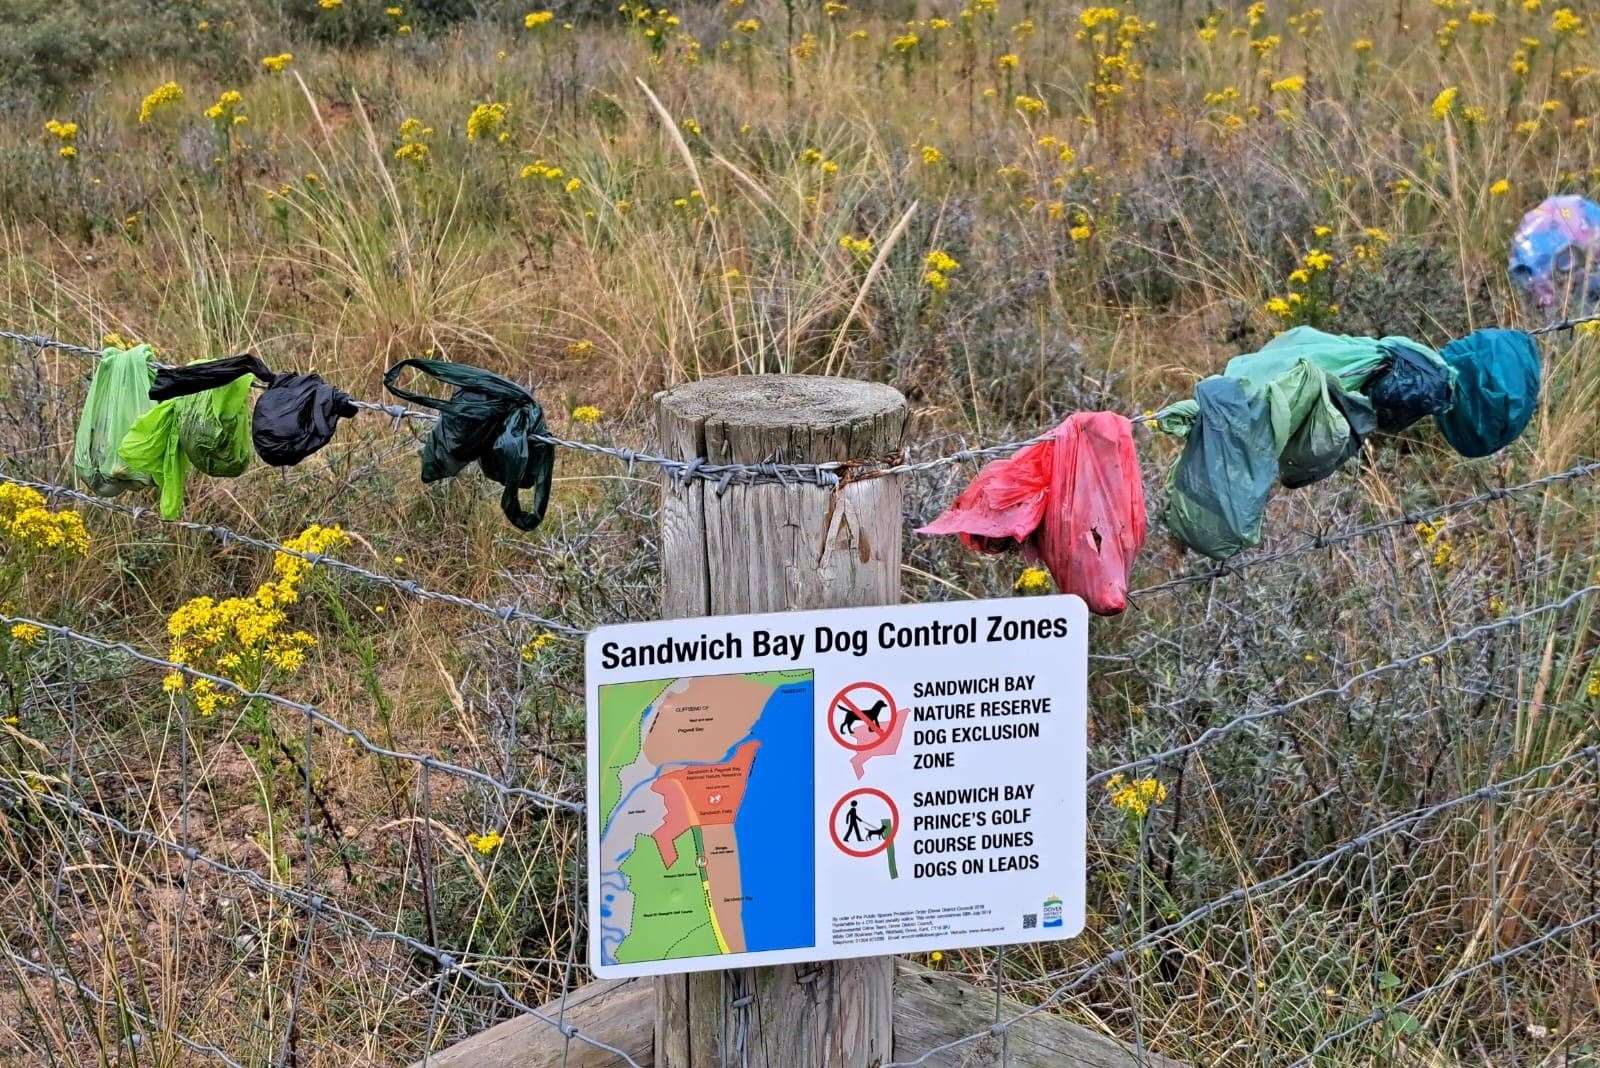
[[48, 48]]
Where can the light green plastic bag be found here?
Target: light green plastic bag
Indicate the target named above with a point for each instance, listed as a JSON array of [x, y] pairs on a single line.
[[209, 431], [119, 393]]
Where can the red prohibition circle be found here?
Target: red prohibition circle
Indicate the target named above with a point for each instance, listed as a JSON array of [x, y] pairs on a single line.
[[876, 736], [888, 840]]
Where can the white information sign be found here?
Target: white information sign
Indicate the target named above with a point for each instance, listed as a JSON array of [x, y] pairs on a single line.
[[803, 786]]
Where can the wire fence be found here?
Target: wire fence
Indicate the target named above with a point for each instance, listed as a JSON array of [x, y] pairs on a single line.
[[831, 474], [1380, 839]]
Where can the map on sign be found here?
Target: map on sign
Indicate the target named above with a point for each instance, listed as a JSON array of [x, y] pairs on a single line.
[[706, 816]]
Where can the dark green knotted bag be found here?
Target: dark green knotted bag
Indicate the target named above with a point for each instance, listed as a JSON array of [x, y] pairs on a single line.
[[488, 420]]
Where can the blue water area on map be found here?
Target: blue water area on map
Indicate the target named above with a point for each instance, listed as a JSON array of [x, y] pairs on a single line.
[[777, 855]]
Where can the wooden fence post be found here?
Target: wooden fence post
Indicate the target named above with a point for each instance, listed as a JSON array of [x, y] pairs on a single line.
[[767, 547]]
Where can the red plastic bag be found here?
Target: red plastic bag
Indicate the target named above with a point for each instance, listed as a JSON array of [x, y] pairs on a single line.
[[1074, 502]]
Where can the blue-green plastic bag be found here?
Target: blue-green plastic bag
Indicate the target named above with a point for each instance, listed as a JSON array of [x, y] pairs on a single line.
[[1497, 390], [1219, 488]]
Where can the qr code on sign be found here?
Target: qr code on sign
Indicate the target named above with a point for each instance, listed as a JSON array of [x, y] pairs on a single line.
[[1030, 920]]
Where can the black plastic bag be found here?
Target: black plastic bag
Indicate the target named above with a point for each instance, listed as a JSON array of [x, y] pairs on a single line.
[[1411, 385], [295, 416], [490, 420], [173, 382]]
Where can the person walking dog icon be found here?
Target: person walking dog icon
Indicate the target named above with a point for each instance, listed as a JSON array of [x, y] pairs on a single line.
[[852, 824]]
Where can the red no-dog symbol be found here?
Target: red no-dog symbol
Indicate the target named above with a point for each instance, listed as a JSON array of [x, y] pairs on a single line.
[[860, 715], [864, 823]]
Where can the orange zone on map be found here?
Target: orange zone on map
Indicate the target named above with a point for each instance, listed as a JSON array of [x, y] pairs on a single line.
[[706, 795]]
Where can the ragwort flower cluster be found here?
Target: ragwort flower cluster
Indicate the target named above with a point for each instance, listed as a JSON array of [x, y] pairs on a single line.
[[246, 640], [29, 528]]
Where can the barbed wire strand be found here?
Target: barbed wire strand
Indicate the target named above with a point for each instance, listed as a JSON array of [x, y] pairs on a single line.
[[355, 734], [445, 960], [60, 976], [506, 613], [827, 473], [1211, 734], [1270, 885]]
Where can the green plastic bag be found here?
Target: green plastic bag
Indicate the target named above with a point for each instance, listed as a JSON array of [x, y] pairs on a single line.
[[119, 393], [1296, 428], [209, 431], [1352, 360], [490, 421], [1328, 427]]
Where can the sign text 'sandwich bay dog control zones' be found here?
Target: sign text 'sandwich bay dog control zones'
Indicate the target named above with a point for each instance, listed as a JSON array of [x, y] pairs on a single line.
[[801, 786]]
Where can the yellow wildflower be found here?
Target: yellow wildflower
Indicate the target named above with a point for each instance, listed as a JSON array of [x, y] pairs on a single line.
[[486, 119], [534, 19], [1564, 21], [160, 97], [1500, 188], [1033, 580], [859, 247], [1135, 797], [26, 633], [586, 413], [226, 106], [485, 843], [1444, 103], [931, 156], [537, 644], [277, 63]]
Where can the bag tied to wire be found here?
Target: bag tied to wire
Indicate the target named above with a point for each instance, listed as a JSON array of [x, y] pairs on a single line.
[[202, 420], [295, 416], [1074, 502], [119, 393], [1497, 390], [488, 420]]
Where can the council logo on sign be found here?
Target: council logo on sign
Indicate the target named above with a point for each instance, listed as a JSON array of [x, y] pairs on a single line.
[[1052, 911]]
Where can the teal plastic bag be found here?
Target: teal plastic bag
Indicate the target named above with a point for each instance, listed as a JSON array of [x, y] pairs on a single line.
[[119, 393], [1496, 390], [209, 431], [1351, 360]]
